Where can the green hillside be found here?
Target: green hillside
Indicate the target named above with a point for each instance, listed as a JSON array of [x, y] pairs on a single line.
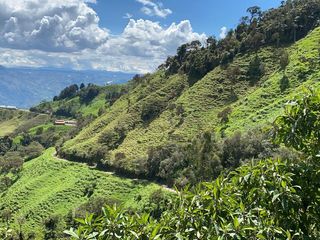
[[11, 120], [128, 129], [204, 121], [51, 186]]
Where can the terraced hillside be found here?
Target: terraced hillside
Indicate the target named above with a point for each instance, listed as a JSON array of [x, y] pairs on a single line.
[[163, 109], [50, 186]]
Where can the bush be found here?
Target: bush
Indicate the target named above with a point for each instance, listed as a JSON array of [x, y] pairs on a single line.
[[224, 115], [32, 151], [284, 83], [152, 109], [284, 60], [11, 162], [256, 70]]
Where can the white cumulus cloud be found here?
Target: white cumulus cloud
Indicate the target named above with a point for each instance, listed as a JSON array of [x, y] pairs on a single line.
[[59, 25], [223, 32], [149, 41], [66, 33], [151, 8]]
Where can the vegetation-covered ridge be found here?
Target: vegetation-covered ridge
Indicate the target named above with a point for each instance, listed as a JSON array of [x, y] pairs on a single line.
[[161, 109], [269, 199]]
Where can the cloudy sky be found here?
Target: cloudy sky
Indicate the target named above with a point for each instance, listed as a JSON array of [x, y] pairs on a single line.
[[115, 35]]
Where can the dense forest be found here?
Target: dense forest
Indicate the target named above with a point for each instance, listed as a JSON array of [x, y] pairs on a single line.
[[221, 142]]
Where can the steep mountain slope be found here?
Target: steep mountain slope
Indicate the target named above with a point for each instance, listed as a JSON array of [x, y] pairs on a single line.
[[50, 186], [164, 109]]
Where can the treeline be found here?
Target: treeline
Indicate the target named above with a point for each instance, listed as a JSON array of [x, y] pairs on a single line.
[[205, 157], [286, 24], [69, 101], [87, 93]]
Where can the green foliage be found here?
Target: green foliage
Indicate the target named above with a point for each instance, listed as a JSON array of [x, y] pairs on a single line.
[[51, 225], [205, 157], [284, 83], [269, 199], [224, 114], [256, 70], [68, 92], [258, 201], [5, 144], [11, 162], [284, 60], [88, 94], [299, 127]]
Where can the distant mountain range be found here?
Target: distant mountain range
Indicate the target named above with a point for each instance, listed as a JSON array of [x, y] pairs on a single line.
[[25, 87]]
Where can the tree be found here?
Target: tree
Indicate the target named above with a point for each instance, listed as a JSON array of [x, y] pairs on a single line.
[[181, 52], [82, 86], [256, 70], [255, 13], [276, 37], [211, 43], [284, 59], [68, 92], [89, 93], [284, 83], [203, 155], [233, 73], [6, 144]]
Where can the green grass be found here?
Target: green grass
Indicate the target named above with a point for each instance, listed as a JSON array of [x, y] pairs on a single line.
[[48, 126], [50, 186], [264, 104], [10, 120], [256, 105], [94, 106]]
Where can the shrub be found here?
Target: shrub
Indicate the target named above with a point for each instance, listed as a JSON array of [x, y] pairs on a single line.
[[284, 60], [284, 83], [256, 70], [224, 115]]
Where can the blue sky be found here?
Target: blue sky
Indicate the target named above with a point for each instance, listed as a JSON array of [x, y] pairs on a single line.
[[116, 35], [206, 16]]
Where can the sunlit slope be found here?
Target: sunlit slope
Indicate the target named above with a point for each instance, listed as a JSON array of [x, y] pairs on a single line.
[[125, 136], [12, 120], [50, 186]]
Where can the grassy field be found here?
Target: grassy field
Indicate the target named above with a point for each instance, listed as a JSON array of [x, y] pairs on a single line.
[[10, 120], [252, 105], [50, 186], [19, 121]]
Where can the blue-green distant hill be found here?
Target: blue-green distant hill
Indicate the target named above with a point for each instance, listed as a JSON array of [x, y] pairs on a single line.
[[25, 87]]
